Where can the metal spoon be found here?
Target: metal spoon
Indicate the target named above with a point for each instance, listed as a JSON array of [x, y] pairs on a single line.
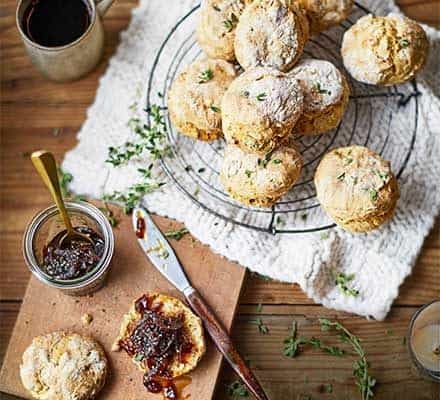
[[44, 163]]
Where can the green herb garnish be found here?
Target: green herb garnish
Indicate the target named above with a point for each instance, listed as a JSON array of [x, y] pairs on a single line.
[[263, 162], [321, 90], [262, 328], [261, 96], [341, 177], [332, 350], [237, 389], [206, 75], [139, 357], [65, 178], [277, 161], [342, 280], [230, 23], [176, 234], [404, 43], [292, 343], [215, 109], [248, 173], [373, 194]]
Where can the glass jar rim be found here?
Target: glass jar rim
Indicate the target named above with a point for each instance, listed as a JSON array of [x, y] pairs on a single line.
[[39, 219]]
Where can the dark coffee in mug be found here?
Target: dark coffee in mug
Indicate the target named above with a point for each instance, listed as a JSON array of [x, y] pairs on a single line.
[[54, 23]]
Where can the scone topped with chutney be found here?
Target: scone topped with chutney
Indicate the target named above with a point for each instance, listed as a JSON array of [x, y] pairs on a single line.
[[271, 33], [164, 339], [356, 187], [260, 109], [216, 27], [326, 95], [384, 50], [195, 96]]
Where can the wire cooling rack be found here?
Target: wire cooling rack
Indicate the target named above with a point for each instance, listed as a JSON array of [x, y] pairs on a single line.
[[381, 118]]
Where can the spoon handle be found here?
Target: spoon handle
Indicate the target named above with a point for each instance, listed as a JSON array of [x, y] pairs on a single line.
[[44, 163]]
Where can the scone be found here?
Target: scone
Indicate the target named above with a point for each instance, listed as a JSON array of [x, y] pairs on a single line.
[[356, 187], [195, 95], [216, 27], [260, 108], [63, 366], [271, 33], [164, 339], [384, 50], [260, 181], [323, 14], [326, 95]]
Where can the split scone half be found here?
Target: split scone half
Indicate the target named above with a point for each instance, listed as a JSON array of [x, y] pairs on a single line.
[[216, 27], [323, 14], [259, 181], [63, 366], [384, 50], [260, 109], [195, 96], [271, 33], [356, 187], [164, 339], [326, 95]]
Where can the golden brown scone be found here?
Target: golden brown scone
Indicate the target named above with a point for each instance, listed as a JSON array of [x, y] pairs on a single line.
[[356, 187], [216, 27], [271, 33], [63, 366], [384, 50], [260, 108], [326, 95], [259, 181], [167, 307], [195, 96], [323, 14]]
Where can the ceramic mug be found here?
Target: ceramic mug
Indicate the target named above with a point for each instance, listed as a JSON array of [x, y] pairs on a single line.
[[75, 59]]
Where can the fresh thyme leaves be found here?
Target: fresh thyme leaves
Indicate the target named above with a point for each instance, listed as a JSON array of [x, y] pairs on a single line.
[[215, 109], [292, 343], [324, 236], [279, 220], [404, 43], [348, 160], [263, 162], [139, 357], [364, 381], [327, 388], [342, 280], [248, 173], [237, 389], [373, 194], [341, 177], [332, 350], [383, 176], [109, 215], [277, 161], [389, 332], [151, 139], [206, 75], [176, 234], [261, 96], [230, 23], [135, 192], [216, 8], [65, 178], [262, 328], [320, 90]]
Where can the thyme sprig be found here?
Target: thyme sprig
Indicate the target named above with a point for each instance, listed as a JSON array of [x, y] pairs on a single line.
[[292, 343], [262, 328], [151, 139], [237, 389], [176, 234], [342, 281], [364, 380], [206, 75]]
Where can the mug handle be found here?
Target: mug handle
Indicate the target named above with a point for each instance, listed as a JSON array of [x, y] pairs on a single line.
[[103, 6]]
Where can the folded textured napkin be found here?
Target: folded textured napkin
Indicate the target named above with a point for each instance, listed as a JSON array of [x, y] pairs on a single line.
[[380, 260]]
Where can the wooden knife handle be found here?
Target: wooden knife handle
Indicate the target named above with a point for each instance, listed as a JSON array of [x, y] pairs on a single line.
[[224, 344]]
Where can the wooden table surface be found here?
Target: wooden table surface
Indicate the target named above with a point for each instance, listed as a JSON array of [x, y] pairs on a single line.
[[36, 113]]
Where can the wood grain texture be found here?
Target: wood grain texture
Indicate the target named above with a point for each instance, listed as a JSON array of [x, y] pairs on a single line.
[[32, 108]]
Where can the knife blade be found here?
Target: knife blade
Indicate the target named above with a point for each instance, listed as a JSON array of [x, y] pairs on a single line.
[[162, 256]]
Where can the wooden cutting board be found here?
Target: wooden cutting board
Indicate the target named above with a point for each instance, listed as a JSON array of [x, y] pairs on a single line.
[[45, 309]]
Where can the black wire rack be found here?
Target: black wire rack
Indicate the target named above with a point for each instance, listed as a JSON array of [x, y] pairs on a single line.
[[374, 118]]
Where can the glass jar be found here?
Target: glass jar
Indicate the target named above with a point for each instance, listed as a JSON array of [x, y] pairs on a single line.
[[423, 340], [47, 224]]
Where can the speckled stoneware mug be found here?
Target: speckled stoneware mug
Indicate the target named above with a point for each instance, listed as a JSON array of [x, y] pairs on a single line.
[[75, 59]]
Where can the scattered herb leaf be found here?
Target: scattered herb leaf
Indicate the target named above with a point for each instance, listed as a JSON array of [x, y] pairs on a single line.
[[261, 96], [237, 389], [342, 280], [176, 234], [262, 328], [404, 43], [206, 75], [215, 109]]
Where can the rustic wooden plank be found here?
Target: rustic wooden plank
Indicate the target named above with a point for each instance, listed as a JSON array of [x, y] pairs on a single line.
[[285, 378]]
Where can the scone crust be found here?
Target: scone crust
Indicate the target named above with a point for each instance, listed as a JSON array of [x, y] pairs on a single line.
[[384, 50], [192, 325], [326, 95], [215, 30], [63, 366], [323, 14], [271, 33], [260, 181], [194, 102], [260, 108], [356, 187]]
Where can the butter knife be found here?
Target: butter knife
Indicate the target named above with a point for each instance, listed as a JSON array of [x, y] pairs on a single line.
[[162, 256]]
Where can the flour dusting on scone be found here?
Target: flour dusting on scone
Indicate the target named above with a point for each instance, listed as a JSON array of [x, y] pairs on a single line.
[[63, 366]]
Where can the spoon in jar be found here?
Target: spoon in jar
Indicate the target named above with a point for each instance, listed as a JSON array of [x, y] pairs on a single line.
[[44, 163]]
